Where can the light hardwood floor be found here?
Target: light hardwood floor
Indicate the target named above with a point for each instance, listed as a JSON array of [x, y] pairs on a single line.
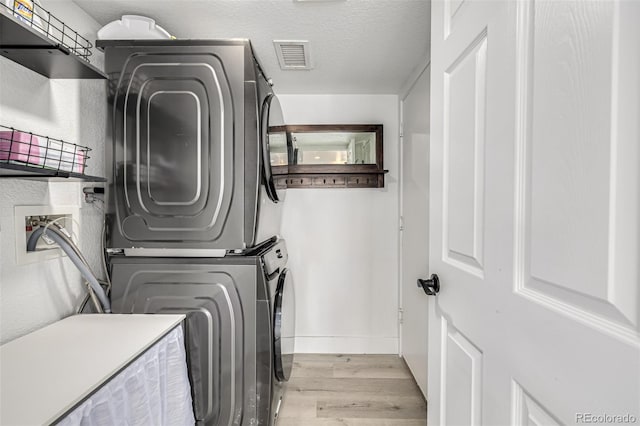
[[352, 390]]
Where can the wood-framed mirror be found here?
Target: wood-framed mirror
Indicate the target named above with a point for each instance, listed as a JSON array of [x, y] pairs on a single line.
[[331, 156]]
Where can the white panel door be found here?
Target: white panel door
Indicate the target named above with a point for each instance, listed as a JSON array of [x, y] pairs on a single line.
[[534, 212], [415, 226]]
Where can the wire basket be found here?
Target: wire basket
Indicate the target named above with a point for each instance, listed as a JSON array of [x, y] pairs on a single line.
[[41, 152], [49, 26]]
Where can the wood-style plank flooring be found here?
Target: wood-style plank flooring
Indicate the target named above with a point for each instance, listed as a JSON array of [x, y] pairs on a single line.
[[352, 390]]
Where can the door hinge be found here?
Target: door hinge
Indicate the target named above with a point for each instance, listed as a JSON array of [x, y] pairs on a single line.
[[400, 316], [401, 224]]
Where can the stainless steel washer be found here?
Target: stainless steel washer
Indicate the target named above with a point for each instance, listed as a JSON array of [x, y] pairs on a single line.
[[276, 329], [239, 329]]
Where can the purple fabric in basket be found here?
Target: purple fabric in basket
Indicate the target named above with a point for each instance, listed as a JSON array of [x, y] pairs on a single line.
[[19, 146]]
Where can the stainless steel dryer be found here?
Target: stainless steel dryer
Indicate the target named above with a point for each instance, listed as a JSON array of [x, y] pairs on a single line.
[[239, 328], [274, 153], [188, 124]]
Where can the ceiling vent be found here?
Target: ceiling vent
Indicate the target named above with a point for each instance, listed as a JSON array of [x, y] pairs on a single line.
[[293, 54]]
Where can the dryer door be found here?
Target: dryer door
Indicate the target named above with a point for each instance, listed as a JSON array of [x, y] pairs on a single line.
[[284, 322], [274, 144]]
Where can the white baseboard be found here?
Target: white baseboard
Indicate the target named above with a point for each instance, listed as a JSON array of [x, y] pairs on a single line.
[[347, 345]]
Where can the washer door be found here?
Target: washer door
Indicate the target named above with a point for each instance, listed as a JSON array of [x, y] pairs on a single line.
[[284, 326], [274, 144]]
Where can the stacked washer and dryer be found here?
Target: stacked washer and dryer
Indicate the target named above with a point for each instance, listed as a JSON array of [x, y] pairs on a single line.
[[193, 215]]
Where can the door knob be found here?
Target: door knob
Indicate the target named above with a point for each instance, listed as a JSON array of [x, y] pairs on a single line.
[[430, 286]]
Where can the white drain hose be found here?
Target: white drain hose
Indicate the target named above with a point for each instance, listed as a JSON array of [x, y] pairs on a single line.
[[74, 254]]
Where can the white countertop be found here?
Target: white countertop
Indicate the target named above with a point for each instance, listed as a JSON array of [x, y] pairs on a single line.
[[46, 373]]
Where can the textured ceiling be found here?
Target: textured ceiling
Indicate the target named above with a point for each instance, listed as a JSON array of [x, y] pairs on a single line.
[[357, 46]]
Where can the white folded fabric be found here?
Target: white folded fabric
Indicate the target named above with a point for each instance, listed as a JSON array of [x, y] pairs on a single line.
[[152, 390]]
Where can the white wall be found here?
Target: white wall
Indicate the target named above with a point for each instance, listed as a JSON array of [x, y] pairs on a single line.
[[34, 295], [343, 243]]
